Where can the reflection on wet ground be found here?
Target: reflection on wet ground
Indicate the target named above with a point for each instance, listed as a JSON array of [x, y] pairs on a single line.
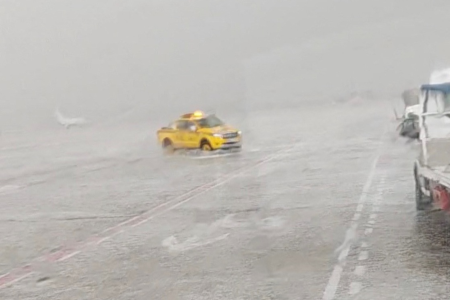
[[400, 253], [431, 242]]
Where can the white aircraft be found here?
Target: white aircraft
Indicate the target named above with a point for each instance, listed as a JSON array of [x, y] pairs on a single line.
[[68, 122]]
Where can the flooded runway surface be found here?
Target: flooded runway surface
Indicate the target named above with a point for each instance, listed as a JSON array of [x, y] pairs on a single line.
[[326, 214]]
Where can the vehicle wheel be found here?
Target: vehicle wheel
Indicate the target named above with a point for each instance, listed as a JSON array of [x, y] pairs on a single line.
[[168, 147], [206, 146], [422, 201]]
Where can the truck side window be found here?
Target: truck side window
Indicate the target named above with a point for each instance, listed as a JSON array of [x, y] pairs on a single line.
[[190, 125], [182, 125], [177, 125]]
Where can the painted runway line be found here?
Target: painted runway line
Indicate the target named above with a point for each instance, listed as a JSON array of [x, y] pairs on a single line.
[[335, 278], [375, 199], [356, 286], [344, 249]]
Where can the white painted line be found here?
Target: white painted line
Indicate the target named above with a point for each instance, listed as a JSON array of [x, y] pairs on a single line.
[[140, 223], [363, 255], [344, 253], [360, 270], [335, 278], [103, 239], [68, 256], [19, 278], [174, 246], [127, 221], [355, 288], [333, 283], [350, 235]]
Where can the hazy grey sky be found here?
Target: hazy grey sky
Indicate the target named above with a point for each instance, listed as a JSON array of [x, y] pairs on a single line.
[[99, 56]]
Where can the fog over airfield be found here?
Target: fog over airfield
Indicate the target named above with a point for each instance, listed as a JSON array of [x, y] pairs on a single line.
[[100, 211], [101, 58]]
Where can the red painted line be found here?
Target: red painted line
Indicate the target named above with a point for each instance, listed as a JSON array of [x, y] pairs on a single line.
[[114, 230], [15, 275], [5, 279], [57, 255], [20, 273], [131, 221], [27, 268], [93, 240], [137, 220]]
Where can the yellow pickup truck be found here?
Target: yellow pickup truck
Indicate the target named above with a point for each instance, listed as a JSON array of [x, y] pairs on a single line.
[[198, 130]]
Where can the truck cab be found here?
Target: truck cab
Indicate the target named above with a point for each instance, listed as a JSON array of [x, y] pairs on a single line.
[[198, 130]]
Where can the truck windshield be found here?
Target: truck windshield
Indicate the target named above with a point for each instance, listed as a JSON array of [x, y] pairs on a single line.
[[209, 122]]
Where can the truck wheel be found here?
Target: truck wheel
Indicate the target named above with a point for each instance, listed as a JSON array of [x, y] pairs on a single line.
[[422, 201], [206, 146], [168, 147]]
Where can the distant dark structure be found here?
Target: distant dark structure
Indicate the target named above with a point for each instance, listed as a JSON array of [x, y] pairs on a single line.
[[409, 126]]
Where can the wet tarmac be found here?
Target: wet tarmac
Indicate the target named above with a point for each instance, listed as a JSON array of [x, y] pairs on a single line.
[[325, 212]]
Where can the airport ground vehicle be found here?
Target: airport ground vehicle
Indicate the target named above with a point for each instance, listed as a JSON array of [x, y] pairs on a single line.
[[409, 126], [432, 166], [198, 130], [409, 121]]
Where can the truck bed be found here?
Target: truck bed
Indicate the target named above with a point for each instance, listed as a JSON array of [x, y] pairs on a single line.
[[438, 164]]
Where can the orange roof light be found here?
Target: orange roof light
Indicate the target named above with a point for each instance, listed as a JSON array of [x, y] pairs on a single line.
[[197, 114], [194, 115]]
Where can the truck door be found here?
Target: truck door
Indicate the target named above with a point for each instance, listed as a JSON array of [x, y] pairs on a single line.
[[178, 135], [191, 137], [184, 134]]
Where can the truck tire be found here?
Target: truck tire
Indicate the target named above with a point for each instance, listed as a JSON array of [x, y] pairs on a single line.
[[168, 146], [422, 201], [205, 146]]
